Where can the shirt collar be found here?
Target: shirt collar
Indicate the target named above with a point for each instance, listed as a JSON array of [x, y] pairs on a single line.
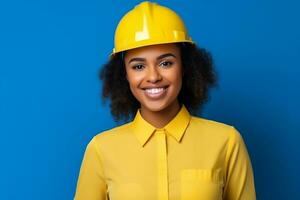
[[143, 130]]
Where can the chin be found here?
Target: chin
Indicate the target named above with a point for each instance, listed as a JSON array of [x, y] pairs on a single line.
[[156, 106]]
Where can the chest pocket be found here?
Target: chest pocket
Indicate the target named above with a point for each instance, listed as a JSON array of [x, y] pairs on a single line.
[[201, 184]]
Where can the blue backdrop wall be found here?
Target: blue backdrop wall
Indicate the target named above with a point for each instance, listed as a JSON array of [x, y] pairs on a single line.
[[50, 54]]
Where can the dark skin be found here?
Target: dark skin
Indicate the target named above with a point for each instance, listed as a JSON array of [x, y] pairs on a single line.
[[198, 78], [161, 118], [154, 74]]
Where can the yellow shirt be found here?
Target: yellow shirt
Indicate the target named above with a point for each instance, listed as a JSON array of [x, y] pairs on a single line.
[[191, 158]]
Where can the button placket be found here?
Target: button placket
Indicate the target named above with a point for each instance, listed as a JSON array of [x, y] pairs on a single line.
[[162, 165]]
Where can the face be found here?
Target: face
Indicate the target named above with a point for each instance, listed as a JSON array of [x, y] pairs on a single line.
[[154, 74]]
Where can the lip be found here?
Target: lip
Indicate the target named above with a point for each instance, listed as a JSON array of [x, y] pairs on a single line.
[[163, 86], [156, 93]]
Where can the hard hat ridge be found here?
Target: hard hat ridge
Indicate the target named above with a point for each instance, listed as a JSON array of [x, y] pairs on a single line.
[[149, 23]]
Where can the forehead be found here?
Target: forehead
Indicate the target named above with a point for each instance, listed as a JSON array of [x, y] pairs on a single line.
[[153, 51]]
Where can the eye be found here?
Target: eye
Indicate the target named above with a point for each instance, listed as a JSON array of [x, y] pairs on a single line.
[[138, 67], [166, 63]]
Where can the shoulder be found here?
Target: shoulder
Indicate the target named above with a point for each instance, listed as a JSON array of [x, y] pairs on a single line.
[[209, 124], [113, 135], [212, 128]]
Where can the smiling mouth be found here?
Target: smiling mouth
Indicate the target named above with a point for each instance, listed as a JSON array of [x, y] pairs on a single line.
[[155, 92], [155, 89]]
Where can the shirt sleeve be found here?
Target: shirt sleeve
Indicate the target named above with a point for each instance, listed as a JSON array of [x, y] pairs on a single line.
[[239, 183], [91, 182]]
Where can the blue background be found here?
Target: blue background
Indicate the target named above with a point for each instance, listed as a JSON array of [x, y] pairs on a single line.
[[50, 54]]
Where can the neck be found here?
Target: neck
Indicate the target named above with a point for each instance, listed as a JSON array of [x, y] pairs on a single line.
[[160, 118]]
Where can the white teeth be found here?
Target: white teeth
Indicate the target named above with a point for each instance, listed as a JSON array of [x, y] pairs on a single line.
[[154, 90]]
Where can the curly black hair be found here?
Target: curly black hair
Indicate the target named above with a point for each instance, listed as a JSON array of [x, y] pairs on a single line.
[[198, 77]]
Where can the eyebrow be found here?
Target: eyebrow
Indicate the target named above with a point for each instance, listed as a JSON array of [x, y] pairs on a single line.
[[158, 58]]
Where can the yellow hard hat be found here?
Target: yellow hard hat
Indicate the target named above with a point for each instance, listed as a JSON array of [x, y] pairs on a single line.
[[148, 24]]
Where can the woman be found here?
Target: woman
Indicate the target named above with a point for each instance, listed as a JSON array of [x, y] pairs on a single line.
[[158, 76]]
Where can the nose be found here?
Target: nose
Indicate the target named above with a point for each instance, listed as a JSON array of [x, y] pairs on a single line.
[[153, 75]]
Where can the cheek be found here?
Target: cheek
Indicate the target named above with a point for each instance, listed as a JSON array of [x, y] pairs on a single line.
[[178, 83], [134, 81], [176, 79]]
